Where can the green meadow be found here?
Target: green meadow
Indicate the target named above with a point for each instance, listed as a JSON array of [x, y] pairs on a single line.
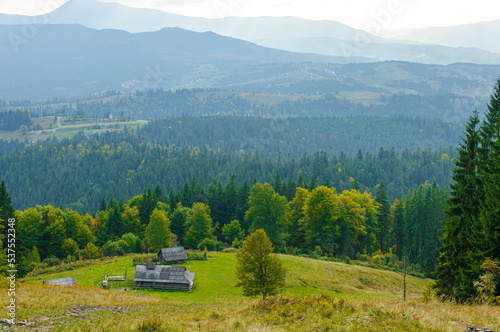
[[320, 296]]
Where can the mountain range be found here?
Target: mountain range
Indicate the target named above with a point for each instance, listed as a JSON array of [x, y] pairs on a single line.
[[70, 60], [86, 46], [288, 33], [478, 35]]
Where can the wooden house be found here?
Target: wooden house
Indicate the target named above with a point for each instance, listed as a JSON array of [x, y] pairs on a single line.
[[164, 277], [172, 255]]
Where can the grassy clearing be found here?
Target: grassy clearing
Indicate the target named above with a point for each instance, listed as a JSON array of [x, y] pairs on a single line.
[[320, 296], [67, 130], [366, 98]]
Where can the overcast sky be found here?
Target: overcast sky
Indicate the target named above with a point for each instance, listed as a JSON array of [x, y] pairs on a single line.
[[356, 13]]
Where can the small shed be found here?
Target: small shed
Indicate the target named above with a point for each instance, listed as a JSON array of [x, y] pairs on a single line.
[[172, 255], [61, 282], [164, 277]]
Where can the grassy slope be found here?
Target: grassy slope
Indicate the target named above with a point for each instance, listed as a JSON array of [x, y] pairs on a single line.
[[67, 130], [373, 301]]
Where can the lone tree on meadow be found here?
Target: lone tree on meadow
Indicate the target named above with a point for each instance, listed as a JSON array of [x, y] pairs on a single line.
[[258, 270]]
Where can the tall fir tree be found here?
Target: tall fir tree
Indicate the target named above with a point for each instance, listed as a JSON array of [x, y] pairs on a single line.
[[383, 218], [489, 169], [7, 211], [461, 256], [397, 216]]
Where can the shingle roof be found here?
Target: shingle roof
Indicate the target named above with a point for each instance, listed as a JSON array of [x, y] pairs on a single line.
[[163, 274], [173, 254], [61, 282]]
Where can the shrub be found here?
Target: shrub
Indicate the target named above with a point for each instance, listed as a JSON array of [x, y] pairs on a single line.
[[197, 255], [90, 251], [70, 247], [52, 261], [236, 243], [210, 244], [142, 259], [110, 249]]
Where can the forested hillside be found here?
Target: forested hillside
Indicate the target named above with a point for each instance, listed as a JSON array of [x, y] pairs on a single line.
[[295, 136], [300, 218], [79, 172], [12, 120], [342, 100], [342, 103]]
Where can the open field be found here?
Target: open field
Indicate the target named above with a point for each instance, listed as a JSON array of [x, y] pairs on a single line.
[[354, 298], [61, 129]]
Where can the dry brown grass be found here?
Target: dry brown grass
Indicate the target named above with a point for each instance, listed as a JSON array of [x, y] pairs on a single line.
[[79, 308], [373, 302]]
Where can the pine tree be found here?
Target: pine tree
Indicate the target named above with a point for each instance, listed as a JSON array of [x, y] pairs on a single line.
[[186, 194], [242, 205], [314, 182], [158, 193], [146, 207], [489, 169], [277, 185], [490, 208], [104, 205], [7, 211], [460, 257], [397, 216], [3, 250], [383, 218]]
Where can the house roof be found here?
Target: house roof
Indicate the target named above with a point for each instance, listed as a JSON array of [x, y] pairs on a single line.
[[163, 274], [61, 282], [173, 254]]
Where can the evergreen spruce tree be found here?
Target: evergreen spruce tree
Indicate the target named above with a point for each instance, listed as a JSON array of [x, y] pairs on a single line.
[[460, 257], [146, 207], [383, 218], [490, 208], [277, 185], [104, 205], [242, 205], [314, 183], [186, 194], [489, 169], [3, 256], [397, 215], [7, 211], [158, 193]]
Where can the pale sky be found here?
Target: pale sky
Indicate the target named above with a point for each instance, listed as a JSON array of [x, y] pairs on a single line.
[[391, 14]]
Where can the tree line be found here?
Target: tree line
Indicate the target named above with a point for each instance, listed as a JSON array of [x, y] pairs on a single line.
[[314, 220], [77, 173], [12, 120], [469, 259]]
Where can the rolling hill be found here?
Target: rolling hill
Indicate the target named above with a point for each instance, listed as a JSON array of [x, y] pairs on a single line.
[[69, 60], [320, 295]]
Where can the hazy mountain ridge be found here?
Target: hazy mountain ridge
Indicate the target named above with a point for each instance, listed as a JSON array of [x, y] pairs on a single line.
[[286, 33], [71, 60], [479, 35], [66, 60]]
